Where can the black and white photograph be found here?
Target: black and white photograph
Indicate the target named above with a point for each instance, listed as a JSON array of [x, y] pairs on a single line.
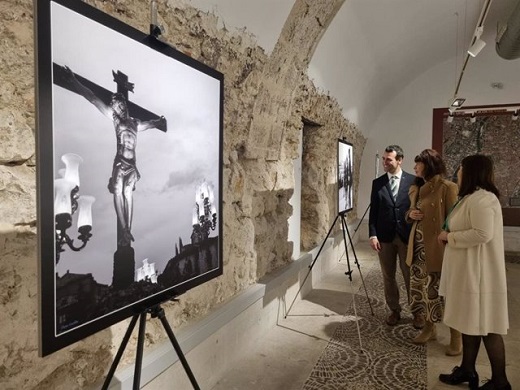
[[129, 181], [345, 176]]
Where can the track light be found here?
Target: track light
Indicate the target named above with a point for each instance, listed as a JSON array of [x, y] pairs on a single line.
[[456, 103], [450, 118], [472, 118], [476, 47], [479, 44], [515, 116]]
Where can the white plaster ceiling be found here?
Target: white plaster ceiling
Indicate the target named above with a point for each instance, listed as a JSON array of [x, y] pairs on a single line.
[[373, 48]]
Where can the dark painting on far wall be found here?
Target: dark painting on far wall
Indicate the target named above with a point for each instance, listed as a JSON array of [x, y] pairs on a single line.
[[345, 176], [129, 135], [489, 130]]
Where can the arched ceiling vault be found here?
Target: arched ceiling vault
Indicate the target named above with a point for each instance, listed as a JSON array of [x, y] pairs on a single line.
[[372, 49]]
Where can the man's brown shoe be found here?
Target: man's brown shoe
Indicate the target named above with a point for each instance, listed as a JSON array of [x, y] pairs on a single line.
[[393, 318], [418, 321]]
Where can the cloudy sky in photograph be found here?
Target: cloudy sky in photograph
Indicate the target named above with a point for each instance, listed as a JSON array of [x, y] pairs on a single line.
[[171, 164]]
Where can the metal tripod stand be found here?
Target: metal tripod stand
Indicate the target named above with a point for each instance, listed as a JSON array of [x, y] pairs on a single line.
[[346, 233], [154, 311]]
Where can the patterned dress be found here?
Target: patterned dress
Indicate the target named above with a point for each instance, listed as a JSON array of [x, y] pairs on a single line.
[[424, 285]]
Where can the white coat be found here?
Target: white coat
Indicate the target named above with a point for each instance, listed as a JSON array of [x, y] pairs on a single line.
[[473, 277]]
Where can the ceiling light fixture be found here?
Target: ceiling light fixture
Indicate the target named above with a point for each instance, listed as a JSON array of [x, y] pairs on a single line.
[[478, 44], [457, 102], [476, 47], [515, 116], [472, 118], [476, 41], [450, 118]]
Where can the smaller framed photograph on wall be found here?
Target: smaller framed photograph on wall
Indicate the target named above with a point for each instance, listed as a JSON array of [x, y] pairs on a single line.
[[345, 176]]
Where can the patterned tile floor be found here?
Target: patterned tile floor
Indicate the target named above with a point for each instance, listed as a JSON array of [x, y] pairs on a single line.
[[386, 360], [317, 345]]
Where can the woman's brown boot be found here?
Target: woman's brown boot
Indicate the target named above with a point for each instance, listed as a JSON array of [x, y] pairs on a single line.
[[455, 346], [429, 332]]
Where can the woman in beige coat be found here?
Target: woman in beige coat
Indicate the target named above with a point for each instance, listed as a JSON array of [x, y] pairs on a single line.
[[431, 198], [473, 278]]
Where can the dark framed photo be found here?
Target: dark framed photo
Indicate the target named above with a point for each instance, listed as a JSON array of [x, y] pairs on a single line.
[[345, 176], [492, 130], [129, 144]]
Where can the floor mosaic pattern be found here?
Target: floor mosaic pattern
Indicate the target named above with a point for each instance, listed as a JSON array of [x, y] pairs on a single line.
[[386, 359]]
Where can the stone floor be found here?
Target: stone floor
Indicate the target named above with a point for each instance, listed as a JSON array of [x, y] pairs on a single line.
[[285, 357]]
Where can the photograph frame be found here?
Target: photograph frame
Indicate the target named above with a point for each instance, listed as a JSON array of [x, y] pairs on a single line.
[[162, 205], [345, 176]]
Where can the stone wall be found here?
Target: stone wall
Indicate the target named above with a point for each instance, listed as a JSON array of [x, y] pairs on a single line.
[[266, 98]]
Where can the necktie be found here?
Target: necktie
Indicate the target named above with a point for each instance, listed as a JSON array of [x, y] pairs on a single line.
[[393, 186]]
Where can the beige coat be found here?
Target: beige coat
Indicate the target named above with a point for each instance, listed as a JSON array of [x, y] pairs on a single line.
[[437, 198], [473, 279]]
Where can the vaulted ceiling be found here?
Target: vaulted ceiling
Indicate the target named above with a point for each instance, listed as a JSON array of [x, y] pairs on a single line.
[[374, 48]]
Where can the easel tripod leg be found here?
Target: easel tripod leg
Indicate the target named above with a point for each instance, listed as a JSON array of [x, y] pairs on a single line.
[[178, 349], [312, 265], [120, 351], [349, 274], [359, 268], [361, 220], [139, 352], [156, 311]]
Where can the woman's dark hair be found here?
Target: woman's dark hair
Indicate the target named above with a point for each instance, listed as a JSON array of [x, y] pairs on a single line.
[[433, 165], [477, 172]]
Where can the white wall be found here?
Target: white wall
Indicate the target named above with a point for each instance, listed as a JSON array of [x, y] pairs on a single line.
[[407, 118], [296, 202]]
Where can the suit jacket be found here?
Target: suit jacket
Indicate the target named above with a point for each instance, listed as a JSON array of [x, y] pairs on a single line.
[[387, 217]]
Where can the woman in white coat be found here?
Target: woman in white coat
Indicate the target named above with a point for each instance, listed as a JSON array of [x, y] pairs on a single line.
[[473, 280]]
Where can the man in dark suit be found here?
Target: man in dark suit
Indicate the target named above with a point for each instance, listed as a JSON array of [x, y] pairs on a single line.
[[388, 230]]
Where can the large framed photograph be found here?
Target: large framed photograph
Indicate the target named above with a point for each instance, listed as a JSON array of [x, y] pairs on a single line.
[[129, 144], [345, 176]]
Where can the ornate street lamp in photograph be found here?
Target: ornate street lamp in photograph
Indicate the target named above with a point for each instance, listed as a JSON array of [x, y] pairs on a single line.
[[66, 202], [204, 213]]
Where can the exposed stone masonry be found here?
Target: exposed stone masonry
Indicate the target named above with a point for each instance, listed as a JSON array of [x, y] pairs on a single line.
[[266, 98]]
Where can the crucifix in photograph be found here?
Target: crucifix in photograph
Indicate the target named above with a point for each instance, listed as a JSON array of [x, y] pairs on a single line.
[[128, 119]]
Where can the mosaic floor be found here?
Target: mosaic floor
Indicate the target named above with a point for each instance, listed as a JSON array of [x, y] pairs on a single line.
[[317, 346], [386, 360]]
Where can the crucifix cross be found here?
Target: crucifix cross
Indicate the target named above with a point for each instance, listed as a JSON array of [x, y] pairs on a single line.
[[127, 119], [123, 86]]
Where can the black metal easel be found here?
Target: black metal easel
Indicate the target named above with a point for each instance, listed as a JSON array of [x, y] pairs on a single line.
[[154, 311], [348, 272], [361, 220]]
